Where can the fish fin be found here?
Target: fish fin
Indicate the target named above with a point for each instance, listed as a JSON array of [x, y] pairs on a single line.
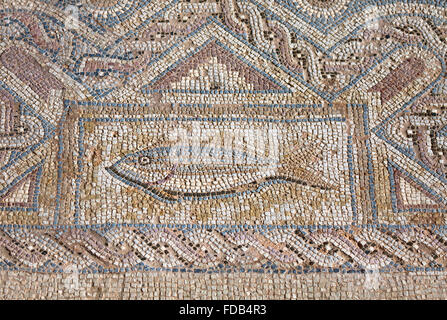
[[165, 195], [251, 186]]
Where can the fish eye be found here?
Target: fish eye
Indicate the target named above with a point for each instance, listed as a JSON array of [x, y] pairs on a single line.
[[144, 160]]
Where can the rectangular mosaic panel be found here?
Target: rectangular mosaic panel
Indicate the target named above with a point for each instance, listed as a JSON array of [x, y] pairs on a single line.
[[107, 180]]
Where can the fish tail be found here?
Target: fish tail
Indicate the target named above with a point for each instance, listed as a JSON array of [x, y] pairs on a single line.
[[296, 165]]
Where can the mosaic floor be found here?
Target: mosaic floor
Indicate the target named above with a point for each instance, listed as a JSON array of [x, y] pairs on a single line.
[[225, 149]]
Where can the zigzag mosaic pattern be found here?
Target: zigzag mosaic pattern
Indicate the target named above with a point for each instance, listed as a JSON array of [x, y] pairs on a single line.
[[355, 93]]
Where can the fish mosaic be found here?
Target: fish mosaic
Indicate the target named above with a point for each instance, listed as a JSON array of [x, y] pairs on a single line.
[[176, 173]]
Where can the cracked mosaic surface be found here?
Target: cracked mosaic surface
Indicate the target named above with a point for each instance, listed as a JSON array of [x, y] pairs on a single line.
[[316, 148]]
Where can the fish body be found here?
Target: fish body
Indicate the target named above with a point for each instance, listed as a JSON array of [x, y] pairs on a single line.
[[197, 172]]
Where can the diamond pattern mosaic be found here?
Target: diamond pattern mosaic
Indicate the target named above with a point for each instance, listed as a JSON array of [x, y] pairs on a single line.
[[221, 149]]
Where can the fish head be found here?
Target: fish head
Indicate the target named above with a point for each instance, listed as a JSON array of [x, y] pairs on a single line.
[[145, 168]]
